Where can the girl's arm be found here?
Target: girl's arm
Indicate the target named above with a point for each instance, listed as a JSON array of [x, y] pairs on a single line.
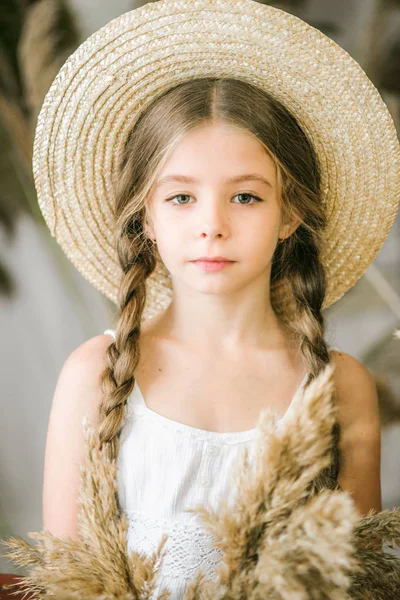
[[77, 394], [360, 444]]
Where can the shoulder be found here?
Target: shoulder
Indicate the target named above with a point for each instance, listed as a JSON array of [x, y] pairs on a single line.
[[356, 390], [78, 386], [91, 351]]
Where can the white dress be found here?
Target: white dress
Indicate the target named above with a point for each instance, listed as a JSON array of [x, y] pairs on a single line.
[[165, 467]]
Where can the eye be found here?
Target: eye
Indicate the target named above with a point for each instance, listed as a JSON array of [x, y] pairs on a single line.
[[256, 198], [178, 196]]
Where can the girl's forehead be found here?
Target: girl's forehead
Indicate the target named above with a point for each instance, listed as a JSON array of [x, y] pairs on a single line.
[[227, 156]]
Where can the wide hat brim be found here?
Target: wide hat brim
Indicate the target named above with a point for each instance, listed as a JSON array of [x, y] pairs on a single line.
[[117, 72]]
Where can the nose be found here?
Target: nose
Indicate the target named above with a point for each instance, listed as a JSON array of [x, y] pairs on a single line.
[[213, 219]]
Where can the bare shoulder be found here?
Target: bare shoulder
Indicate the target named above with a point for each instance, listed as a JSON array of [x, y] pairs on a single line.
[[91, 350], [356, 390], [78, 385]]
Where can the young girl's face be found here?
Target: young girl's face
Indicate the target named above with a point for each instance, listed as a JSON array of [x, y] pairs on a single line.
[[200, 210]]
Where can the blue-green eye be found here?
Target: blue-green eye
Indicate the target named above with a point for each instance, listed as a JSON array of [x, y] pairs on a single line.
[[178, 196], [256, 198]]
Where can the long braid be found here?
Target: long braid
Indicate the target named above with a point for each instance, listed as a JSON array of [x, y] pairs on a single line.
[[307, 278], [122, 356], [308, 283]]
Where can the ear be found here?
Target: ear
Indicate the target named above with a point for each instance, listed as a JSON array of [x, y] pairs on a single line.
[[287, 229], [149, 232], [148, 227]]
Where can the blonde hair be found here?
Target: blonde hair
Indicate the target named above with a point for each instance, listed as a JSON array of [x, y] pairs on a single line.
[[152, 138]]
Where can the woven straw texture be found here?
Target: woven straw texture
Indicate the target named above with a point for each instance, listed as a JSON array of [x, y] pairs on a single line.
[[118, 71]]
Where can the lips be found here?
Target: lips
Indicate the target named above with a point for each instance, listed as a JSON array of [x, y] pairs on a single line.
[[213, 265], [218, 259]]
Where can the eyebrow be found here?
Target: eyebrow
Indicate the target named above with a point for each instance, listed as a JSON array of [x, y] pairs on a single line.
[[238, 178]]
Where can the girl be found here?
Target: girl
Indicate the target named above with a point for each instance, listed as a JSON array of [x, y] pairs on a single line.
[[222, 232]]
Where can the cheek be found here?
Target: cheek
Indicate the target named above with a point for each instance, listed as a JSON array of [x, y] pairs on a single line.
[[168, 220], [170, 242], [261, 236], [174, 232], [263, 252]]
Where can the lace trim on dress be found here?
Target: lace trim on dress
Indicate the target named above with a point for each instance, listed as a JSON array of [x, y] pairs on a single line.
[[188, 545]]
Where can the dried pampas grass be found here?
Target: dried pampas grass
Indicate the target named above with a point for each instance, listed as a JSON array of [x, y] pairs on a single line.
[[291, 532]]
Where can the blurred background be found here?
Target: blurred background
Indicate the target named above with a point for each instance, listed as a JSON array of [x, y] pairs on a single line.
[[46, 307]]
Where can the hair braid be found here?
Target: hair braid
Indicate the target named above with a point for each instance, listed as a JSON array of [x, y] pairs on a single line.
[[308, 282], [122, 357], [307, 279]]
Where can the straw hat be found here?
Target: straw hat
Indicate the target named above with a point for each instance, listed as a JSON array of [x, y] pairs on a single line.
[[119, 70]]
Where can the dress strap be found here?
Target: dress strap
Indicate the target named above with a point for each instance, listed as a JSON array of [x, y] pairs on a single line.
[[110, 332]]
